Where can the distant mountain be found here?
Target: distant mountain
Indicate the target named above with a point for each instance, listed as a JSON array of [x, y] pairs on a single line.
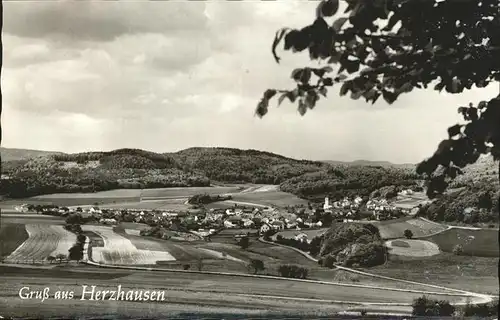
[[135, 168], [370, 163], [10, 154]]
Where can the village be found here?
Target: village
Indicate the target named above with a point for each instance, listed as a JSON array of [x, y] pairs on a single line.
[[256, 220]]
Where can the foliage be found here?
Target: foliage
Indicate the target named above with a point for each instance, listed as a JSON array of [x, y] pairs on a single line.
[[408, 234], [464, 205], [257, 265], [481, 310], [353, 243], [293, 271], [424, 306], [76, 252], [391, 47], [458, 249], [205, 198], [61, 257], [51, 259], [244, 242], [339, 181], [186, 267]]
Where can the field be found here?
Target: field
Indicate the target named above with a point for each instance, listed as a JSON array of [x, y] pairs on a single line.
[[477, 274], [482, 243], [12, 235], [186, 192], [121, 251], [270, 198], [43, 241], [412, 248], [171, 204], [419, 227]]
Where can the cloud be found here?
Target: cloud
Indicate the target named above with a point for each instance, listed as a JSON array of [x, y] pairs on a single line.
[[166, 75], [100, 21]]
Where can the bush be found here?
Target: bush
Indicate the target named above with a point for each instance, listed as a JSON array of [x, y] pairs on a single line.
[[186, 267], [293, 271], [256, 265], [481, 310], [329, 261], [408, 234], [458, 249], [434, 308]]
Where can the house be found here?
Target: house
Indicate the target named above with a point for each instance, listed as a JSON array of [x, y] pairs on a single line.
[[300, 237], [248, 223], [278, 225], [229, 225], [265, 228], [327, 205]]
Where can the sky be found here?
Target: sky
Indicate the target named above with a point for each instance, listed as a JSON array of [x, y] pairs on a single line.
[[169, 75]]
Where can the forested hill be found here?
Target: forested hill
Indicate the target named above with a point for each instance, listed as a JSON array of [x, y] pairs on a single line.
[[10, 154], [134, 168]]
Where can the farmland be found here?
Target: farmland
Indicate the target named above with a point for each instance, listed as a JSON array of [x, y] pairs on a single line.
[[477, 274], [121, 251], [12, 235], [419, 228], [43, 241], [187, 192], [481, 243], [270, 198]]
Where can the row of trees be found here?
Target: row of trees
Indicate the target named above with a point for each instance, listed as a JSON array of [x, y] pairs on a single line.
[[426, 307]]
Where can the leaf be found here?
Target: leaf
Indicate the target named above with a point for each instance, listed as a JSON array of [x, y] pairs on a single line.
[[355, 95], [337, 24], [301, 75], [302, 107], [311, 99], [327, 8], [277, 38], [439, 87], [319, 72], [340, 77], [481, 105], [269, 94], [334, 57], [345, 88], [328, 82], [262, 108], [389, 97], [454, 130], [323, 91]]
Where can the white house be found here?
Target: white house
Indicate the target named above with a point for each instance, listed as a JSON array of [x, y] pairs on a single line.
[[327, 205], [265, 228]]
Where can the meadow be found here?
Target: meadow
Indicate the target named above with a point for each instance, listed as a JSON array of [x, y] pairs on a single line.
[[419, 227], [477, 274], [270, 198], [187, 192], [12, 235], [481, 243]]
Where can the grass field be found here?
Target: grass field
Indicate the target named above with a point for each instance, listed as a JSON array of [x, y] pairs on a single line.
[[412, 248], [171, 204], [68, 200], [482, 243], [419, 227], [43, 241], [477, 274], [186, 192], [12, 235], [270, 198]]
